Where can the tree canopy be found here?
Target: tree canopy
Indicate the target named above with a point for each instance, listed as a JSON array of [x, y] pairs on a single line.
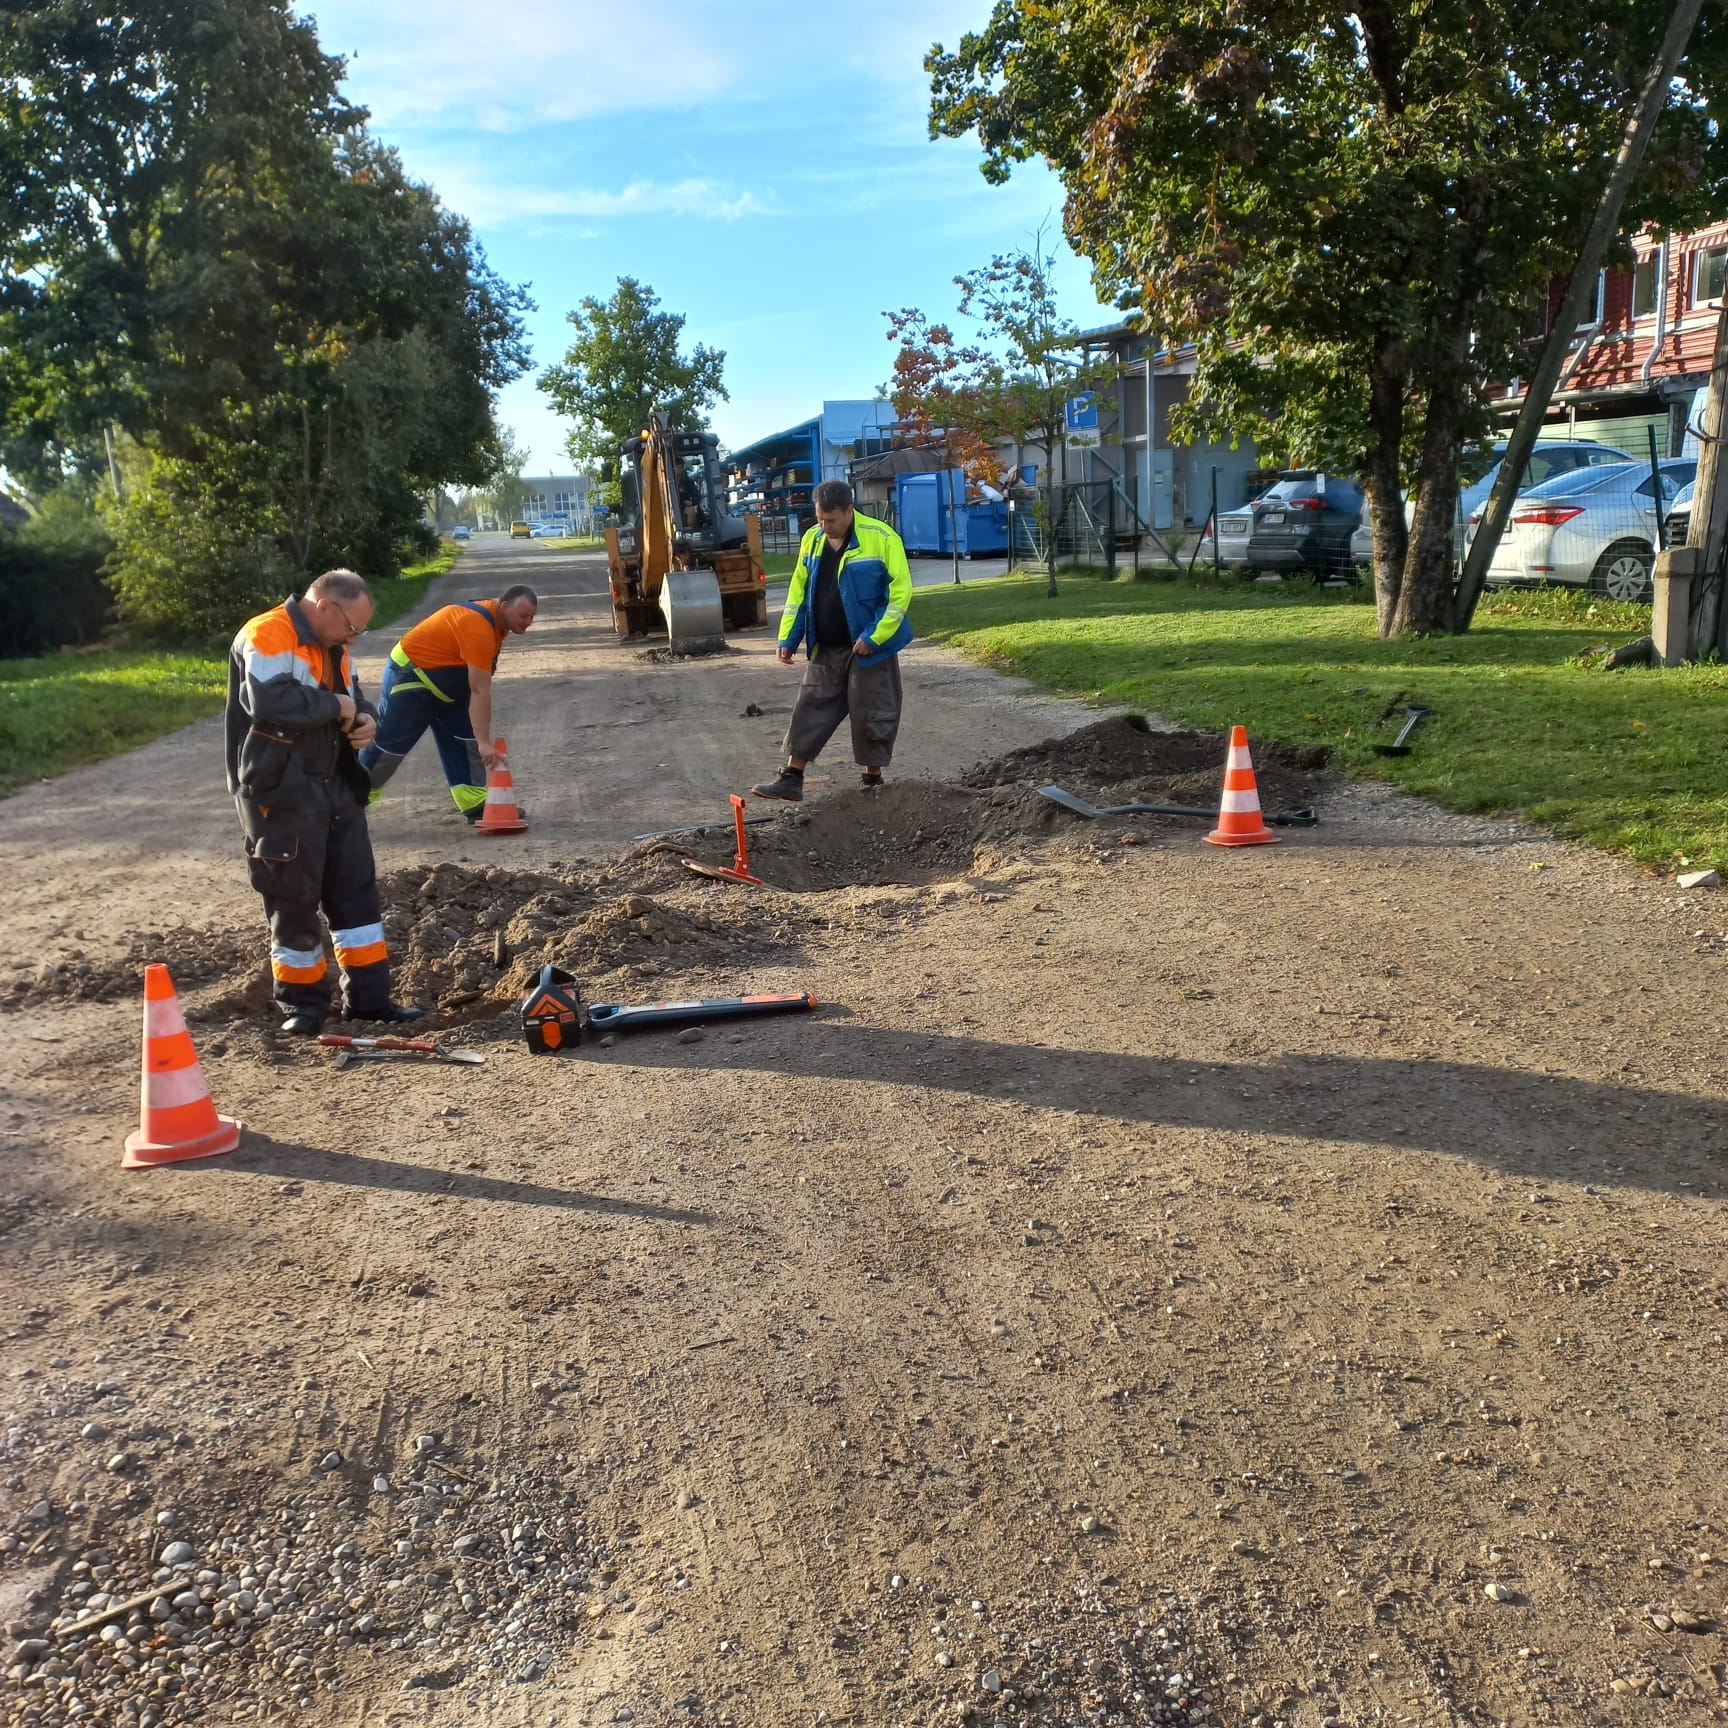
[[1352, 214], [623, 361], [206, 253]]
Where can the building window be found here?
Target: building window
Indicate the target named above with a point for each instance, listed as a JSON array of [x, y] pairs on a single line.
[[1646, 286], [1709, 274], [1593, 306]]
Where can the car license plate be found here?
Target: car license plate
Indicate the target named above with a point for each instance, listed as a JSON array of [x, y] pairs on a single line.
[[1272, 518]]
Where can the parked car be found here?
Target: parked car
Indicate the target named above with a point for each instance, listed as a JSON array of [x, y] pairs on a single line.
[[1592, 527], [1234, 528], [461, 532], [1558, 456], [1679, 523], [546, 531], [521, 531], [1303, 523]]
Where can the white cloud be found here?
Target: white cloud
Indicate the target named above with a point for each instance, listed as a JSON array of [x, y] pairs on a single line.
[[506, 68], [492, 203]]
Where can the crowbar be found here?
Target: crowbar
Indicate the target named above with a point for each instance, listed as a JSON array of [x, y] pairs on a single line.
[[1309, 818], [355, 1048], [601, 1017]]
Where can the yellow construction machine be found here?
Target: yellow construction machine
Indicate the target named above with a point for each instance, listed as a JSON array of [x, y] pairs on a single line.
[[680, 566]]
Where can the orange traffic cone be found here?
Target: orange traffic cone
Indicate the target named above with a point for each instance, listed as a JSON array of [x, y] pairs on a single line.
[[179, 1120], [1239, 820], [500, 815]]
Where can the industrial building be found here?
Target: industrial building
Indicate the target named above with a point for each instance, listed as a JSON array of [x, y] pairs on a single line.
[[774, 476]]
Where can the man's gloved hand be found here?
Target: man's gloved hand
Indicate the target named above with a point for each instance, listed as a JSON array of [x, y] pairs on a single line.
[[362, 731]]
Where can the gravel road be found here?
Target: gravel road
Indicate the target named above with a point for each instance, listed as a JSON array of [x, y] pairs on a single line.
[[1158, 1284]]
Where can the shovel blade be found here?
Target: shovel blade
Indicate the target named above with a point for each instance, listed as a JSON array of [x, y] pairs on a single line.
[[1068, 801]]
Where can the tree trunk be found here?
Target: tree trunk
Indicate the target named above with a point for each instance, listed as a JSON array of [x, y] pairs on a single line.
[[1425, 596], [1386, 387]]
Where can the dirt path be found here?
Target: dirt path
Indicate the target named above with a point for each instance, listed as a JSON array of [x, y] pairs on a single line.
[[1160, 1285]]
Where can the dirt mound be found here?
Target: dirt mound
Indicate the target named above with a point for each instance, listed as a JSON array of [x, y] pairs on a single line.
[[470, 939], [1125, 755], [192, 957]]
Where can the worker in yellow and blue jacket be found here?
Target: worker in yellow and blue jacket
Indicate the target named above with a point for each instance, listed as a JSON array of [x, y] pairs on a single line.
[[847, 606]]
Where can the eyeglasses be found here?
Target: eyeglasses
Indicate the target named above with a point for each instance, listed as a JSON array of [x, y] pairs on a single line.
[[353, 628]]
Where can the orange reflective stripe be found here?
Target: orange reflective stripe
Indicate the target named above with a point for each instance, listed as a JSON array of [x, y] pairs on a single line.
[[298, 974], [370, 955], [179, 1121], [170, 1050]]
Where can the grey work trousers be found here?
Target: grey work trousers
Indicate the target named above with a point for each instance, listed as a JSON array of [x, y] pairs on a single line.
[[835, 688]]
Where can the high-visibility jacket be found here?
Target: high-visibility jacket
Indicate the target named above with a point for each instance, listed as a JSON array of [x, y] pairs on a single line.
[[283, 720], [466, 634], [875, 590]]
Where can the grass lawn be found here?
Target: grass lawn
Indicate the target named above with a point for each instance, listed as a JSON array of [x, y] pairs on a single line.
[[576, 543], [1524, 719], [778, 564], [61, 711]]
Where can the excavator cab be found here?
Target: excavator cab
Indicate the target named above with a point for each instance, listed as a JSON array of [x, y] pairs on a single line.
[[678, 562]]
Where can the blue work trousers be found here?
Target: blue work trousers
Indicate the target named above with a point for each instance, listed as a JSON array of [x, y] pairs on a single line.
[[406, 709]]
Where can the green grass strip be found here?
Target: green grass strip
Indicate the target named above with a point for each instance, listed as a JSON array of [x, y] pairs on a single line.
[[1525, 722], [62, 711]]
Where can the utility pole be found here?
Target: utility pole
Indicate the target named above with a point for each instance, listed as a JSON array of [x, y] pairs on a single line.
[[1707, 529], [1639, 125]]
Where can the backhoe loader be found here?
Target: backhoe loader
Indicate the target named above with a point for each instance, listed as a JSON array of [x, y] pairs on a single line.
[[679, 565]]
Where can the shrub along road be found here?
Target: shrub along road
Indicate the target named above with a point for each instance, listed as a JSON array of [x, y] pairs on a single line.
[[1160, 1284]]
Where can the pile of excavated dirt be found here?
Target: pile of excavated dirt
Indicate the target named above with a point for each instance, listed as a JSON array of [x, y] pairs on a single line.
[[192, 956], [464, 940], [1124, 755]]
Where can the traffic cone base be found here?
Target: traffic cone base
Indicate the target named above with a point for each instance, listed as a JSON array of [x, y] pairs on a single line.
[[178, 1120], [1239, 820], [500, 815]]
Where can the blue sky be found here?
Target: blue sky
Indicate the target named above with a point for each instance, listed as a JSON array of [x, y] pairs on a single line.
[[772, 182]]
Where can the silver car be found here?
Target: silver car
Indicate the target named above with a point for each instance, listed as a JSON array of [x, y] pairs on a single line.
[[1593, 527], [1235, 528]]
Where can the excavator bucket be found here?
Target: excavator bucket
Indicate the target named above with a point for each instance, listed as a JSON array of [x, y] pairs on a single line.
[[695, 624]]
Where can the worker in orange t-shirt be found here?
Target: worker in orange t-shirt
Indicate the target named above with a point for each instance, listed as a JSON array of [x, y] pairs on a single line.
[[440, 676]]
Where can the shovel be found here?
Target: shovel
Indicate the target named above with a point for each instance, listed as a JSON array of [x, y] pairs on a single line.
[[1398, 747], [1308, 818], [363, 1049]]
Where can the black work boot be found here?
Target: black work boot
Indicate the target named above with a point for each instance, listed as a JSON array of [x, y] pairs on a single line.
[[788, 786], [304, 1023], [391, 1014]]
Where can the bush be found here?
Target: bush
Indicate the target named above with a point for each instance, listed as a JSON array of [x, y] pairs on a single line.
[[193, 561], [52, 590]]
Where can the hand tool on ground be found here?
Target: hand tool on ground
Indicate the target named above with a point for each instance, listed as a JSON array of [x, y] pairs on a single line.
[[414, 1046], [740, 867], [554, 1015], [1309, 818], [465, 1058], [1398, 747], [700, 828], [601, 1017]]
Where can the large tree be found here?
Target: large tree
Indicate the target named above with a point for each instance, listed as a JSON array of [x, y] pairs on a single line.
[[205, 250], [623, 361], [1351, 212]]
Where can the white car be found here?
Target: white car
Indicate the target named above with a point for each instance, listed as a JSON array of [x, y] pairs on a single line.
[[1592, 527]]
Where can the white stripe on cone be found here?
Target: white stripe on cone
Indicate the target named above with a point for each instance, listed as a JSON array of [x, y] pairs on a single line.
[[1240, 804], [500, 795], [166, 1091], [162, 1019], [1239, 757]]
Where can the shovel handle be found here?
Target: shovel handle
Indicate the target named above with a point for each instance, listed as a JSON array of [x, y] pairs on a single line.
[[343, 1041]]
